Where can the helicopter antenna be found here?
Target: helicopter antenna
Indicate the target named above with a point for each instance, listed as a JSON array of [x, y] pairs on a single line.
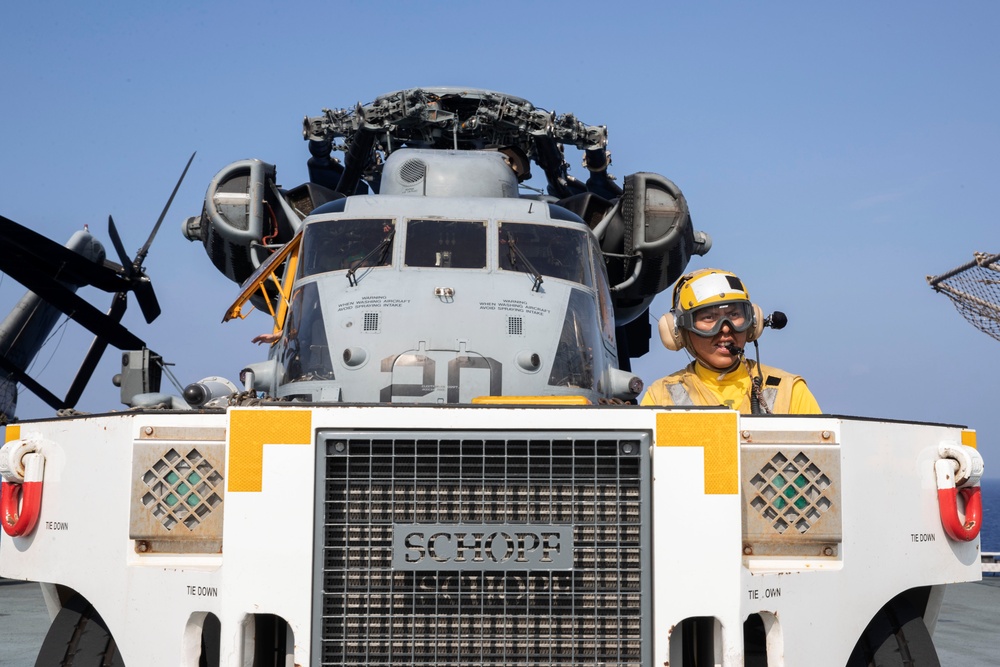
[[974, 289]]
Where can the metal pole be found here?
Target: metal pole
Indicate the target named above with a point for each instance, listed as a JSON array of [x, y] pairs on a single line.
[[985, 261]]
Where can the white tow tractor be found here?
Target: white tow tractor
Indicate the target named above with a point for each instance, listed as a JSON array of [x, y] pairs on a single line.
[[508, 535]]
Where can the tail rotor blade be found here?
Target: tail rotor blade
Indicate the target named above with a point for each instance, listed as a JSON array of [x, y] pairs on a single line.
[[148, 303], [116, 241], [132, 268], [141, 255]]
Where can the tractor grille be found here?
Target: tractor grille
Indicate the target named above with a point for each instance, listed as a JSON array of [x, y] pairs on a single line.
[[468, 549]]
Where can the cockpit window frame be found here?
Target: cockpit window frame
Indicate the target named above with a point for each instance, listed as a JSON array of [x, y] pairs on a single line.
[[406, 250]]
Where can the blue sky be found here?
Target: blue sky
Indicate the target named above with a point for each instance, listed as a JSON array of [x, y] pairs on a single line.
[[837, 153]]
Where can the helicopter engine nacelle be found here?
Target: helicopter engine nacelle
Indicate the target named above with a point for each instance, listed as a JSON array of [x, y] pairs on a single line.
[[246, 214], [649, 239], [233, 224]]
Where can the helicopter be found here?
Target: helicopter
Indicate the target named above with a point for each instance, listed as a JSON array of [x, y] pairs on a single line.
[[53, 273], [421, 268], [415, 271]]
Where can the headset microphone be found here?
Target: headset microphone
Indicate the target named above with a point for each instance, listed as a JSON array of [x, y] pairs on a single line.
[[776, 320], [733, 350]]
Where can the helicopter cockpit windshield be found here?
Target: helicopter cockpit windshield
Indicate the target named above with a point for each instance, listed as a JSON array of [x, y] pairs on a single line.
[[455, 244], [303, 350], [346, 245], [556, 252]]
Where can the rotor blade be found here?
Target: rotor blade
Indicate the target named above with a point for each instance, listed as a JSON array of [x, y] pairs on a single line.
[[87, 367], [141, 255], [148, 303], [83, 375], [143, 289], [19, 376], [27, 268], [76, 308], [94, 354], [116, 241], [42, 256]]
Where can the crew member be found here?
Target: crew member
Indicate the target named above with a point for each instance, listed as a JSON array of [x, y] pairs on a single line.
[[713, 318]]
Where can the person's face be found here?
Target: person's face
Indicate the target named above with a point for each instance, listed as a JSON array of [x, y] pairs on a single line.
[[711, 351]]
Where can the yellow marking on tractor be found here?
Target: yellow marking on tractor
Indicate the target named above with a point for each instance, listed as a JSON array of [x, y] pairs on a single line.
[[716, 434], [250, 430], [969, 438]]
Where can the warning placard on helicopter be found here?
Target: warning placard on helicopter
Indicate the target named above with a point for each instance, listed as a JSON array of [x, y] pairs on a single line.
[[513, 306], [368, 302]]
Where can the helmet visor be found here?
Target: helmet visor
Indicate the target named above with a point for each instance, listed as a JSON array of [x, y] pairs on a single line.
[[708, 320]]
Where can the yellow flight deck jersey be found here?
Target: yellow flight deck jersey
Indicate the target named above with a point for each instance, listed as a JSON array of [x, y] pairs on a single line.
[[697, 385]]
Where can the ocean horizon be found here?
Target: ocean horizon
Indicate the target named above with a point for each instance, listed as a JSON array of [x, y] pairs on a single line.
[[990, 533]]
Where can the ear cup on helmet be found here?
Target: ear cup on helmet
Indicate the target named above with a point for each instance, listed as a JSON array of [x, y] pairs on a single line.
[[670, 333], [757, 328]]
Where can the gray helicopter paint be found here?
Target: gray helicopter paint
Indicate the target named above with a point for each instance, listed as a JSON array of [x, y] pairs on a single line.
[[438, 173], [442, 335]]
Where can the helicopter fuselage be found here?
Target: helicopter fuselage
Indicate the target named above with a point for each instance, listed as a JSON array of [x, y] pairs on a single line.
[[457, 298]]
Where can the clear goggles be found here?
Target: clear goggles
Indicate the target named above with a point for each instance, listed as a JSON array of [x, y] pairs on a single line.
[[708, 320]]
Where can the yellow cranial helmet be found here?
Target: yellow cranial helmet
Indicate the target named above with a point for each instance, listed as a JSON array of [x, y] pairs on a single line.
[[703, 301], [707, 286]]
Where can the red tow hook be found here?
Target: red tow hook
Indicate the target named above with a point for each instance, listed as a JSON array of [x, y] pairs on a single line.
[[22, 467], [951, 521], [27, 496], [958, 471]]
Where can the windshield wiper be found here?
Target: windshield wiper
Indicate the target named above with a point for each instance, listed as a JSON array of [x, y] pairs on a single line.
[[516, 253], [383, 246]]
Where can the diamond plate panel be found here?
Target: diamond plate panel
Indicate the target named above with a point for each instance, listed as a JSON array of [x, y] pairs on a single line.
[[791, 500], [178, 490]]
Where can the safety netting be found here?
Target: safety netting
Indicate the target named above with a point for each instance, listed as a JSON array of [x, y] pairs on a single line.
[[974, 288]]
